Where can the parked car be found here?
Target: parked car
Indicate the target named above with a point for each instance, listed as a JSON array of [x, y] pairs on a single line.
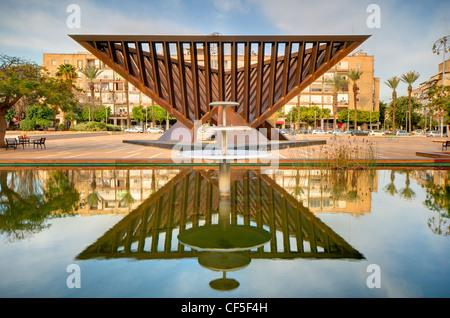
[[418, 132], [154, 130], [433, 133], [337, 132], [287, 131], [318, 132], [359, 133], [135, 129], [377, 133], [402, 133]]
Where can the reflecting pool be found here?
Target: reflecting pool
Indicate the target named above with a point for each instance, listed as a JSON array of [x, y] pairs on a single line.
[[167, 233]]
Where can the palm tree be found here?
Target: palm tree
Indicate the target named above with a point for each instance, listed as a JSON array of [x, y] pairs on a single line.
[[410, 78], [67, 72], [354, 76], [393, 83], [91, 73], [337, 82]]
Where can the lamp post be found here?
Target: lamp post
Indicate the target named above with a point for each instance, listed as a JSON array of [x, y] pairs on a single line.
[[441, 46]]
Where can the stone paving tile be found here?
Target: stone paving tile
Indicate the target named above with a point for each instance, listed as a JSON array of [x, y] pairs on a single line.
[[112, 147]]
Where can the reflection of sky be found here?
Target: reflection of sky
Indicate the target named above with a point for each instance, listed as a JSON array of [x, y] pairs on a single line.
[[414, 262]]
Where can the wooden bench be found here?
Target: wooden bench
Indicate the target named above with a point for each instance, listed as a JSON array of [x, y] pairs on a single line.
[[445, 144], [11, 143], [39, 142]]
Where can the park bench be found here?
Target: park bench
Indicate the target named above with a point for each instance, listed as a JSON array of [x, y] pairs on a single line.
[[39, 142], [445, 144], [23, 140], [11, 143]]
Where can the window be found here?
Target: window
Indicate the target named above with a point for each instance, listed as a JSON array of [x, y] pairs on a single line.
[[80, 64], [53, 62], [66, 61], [358, 66]]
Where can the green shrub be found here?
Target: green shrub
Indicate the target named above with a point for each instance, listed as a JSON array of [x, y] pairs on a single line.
[[110, 127], [95, 126]]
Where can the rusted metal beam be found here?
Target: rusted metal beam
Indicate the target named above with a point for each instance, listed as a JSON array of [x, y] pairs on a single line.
[[261, 88]]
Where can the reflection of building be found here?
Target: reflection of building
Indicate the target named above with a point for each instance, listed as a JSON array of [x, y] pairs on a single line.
[[118, 191], [320, 94], [112, 191], [330, 191], [109, 88], [191, 199]]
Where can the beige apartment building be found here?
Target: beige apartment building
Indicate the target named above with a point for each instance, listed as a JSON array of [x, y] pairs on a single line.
[[320, 94], [110, 88], [421, 91]]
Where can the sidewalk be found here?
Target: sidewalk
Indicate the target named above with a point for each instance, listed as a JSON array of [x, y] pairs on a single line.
[[111, 147]]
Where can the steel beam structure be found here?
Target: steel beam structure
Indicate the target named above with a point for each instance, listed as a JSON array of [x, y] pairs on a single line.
[[184, 74]]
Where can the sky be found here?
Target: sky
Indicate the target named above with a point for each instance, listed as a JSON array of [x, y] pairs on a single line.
[[402, 32]]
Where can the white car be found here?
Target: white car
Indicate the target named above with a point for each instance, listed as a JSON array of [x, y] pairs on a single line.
[[337, 132], [154, 130], [136, 129], [433, 133], [377, 133], [318, 132]]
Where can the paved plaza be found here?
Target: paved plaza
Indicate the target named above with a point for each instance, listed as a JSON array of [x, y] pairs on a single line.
[[105, 145]]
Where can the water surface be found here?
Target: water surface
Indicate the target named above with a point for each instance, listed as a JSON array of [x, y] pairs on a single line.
[[327, 231]]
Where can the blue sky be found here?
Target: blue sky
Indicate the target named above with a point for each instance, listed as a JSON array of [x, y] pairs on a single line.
[[403, 42]]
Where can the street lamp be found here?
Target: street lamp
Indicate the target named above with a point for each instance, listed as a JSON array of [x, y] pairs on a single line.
[[441, 46]]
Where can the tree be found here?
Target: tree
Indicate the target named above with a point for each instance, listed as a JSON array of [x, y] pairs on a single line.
[[439, 98], [337, 82], [22, 80], [18, 78], [354, 76], [392, 83], [67, 72], [409, 78], [91, 73], [401, 111], [37, 116]]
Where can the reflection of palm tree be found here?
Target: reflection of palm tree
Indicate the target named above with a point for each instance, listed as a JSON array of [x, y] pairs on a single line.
[[93, 197], [390, 188], [125, 196], [407, 192], [298, 189], [352, 195]]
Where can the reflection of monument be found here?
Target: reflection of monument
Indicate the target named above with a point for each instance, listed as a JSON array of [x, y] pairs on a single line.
[[191, 200]]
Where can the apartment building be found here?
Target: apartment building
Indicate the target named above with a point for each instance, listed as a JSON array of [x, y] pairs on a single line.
[[320, 93], [109, 88], [421, 91]]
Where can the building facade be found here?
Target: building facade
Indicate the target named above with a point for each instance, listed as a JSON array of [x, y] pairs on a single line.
[[110, 89], [320, 93]]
